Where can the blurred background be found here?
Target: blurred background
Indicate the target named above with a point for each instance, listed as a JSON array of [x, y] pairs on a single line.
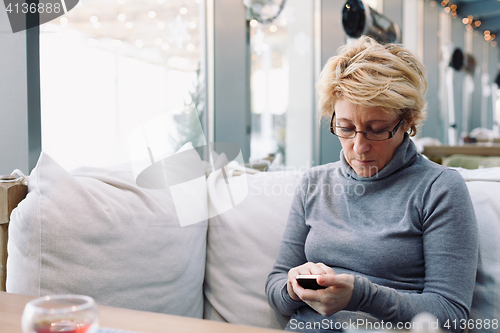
[[82, 86]]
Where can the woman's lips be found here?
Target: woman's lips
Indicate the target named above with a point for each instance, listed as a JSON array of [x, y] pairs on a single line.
[[364, 162]]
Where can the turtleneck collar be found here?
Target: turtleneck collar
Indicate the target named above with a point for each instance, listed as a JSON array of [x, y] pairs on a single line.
[[404, 155]]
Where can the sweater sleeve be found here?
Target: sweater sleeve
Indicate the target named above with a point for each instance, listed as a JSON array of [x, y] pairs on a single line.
[[450, 244], [291, 254]]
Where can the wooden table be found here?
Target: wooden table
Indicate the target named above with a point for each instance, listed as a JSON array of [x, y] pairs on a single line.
[[12, 306], [468, 149]]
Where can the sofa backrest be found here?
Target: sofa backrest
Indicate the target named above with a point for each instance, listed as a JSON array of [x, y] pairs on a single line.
[[241, 249]]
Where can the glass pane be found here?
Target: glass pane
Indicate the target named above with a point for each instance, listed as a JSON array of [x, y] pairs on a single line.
[[282, 87], [108, 67], [269, 87]]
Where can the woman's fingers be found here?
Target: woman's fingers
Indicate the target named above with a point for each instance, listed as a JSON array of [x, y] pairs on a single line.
[[332, 280], [296, 291], [313, 268], [326, 269], [332, 299]]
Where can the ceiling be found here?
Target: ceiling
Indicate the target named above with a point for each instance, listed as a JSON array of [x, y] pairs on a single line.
[[485, 11], [156, 31]]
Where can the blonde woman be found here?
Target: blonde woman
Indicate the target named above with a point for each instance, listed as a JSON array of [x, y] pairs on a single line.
[[389, 233]]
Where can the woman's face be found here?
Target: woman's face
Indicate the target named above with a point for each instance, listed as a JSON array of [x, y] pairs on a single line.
[[368, 157]]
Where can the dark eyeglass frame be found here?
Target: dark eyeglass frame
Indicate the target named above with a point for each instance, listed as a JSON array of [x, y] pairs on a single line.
[[391, 133]]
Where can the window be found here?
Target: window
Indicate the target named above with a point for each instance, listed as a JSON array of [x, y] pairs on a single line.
[[282, 85], [112, 69]]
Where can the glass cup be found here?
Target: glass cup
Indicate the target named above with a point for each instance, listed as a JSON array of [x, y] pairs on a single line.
[[60, 313]]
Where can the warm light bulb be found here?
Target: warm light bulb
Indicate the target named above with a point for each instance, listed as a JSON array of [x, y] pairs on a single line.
[[129, 25], [183, 10], [152, 14], [273, 28]]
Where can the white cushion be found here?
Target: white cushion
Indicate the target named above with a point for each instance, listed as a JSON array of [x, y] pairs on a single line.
[[243, 243], [486, 301], [484, 174], [95, 232]]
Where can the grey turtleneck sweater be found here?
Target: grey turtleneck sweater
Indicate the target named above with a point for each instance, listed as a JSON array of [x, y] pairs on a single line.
[[408, 235]]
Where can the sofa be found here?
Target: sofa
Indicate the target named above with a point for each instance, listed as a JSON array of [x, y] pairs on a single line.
[[94, 231]]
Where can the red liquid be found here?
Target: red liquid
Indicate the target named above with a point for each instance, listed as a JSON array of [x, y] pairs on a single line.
[[63, 326]]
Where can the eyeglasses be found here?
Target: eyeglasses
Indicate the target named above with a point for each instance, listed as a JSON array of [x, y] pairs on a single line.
[[373, 135]]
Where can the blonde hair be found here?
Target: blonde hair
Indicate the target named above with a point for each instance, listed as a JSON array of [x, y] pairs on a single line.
[[370, 74]]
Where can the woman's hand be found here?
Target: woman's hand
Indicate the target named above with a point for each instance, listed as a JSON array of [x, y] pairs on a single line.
[[325, 301]]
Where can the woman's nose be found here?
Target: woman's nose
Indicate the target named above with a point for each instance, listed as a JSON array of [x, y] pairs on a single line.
[[361, 144]]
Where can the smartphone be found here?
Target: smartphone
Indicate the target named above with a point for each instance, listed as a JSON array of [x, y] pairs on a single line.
[[308, 282]]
